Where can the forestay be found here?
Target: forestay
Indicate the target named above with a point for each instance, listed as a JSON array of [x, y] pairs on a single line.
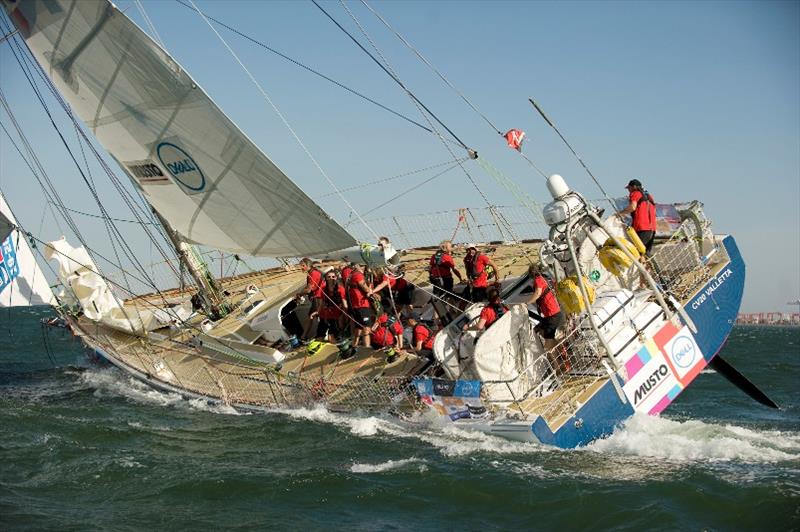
[[194, 166], [22, 282]]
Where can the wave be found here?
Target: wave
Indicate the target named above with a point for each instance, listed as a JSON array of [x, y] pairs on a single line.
[[695, 440], [111, 382], [389, 465], [674, 441]]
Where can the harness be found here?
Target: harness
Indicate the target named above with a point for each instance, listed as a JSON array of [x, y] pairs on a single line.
[[499, 310], [471, 267], [437, 257], [647, 198]]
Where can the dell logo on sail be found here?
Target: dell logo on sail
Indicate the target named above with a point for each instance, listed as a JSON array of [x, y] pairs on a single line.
[[184, 170]]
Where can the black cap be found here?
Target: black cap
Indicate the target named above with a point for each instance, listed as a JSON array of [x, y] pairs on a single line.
[[414, 316], [634, 183]]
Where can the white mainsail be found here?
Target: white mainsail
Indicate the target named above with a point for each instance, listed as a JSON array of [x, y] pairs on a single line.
[[22, 282], [193, 164]]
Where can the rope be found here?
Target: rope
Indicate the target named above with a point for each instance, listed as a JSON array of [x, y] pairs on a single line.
[[387, 179], [596, 182], [419, 104], [309, 69], [283, 119], [115, 181], [388, 72], [433, 68], [447, 82], [415, 187], [149, 23]]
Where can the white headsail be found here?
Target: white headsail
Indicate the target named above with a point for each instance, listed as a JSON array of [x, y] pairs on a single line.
[[193, 164], [22, 282]]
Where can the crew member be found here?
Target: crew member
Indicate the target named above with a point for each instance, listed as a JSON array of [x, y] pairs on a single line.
[[493, 311], [333, 308], [313, 290], [642, 208], [479, 267], [547, 304], [387, 332], [358, 295], [395, 290], [441, 270], [421, 336]]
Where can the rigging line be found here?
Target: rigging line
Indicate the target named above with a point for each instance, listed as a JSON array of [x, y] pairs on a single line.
[[90, 215], [149, 23], [387, 179], [447, 82], [395, 78], [309, 69], [97, 272], [552, 125], [415, 187], [435, 70], [185, 323], [283, 119], [131, 255], [65, 106], [106, 221], [419, 104], [130, 203], [44, 180]]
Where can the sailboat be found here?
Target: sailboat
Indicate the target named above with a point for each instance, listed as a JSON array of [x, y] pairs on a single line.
[[639, 331]]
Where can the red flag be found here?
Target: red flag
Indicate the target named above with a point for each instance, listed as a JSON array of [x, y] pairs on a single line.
[[514, 137]]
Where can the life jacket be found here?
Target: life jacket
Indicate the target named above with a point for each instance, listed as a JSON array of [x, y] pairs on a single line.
[[646, 197], [470, 263], [499, 310]]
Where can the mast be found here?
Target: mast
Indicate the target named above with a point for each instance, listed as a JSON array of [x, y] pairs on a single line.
[[207, 288]]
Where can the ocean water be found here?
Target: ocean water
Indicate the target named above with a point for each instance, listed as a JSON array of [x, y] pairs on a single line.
[[84, 447]]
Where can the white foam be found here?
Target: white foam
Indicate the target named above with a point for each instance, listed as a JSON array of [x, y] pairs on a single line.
[[694, 440], [389, 465], [107, 382]]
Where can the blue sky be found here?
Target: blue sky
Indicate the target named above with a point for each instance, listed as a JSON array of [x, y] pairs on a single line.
[[699, 100]]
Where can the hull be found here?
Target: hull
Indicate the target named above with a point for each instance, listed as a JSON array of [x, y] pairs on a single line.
[[711, 311]]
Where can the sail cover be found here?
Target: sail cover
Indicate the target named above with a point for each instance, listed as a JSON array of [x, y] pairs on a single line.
[[22, 283], [194, 166]]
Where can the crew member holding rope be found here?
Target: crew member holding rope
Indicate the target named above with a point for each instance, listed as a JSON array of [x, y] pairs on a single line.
[[642, 208]]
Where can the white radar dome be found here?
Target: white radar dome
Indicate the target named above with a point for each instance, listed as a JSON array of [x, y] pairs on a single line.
[[557, 186]]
